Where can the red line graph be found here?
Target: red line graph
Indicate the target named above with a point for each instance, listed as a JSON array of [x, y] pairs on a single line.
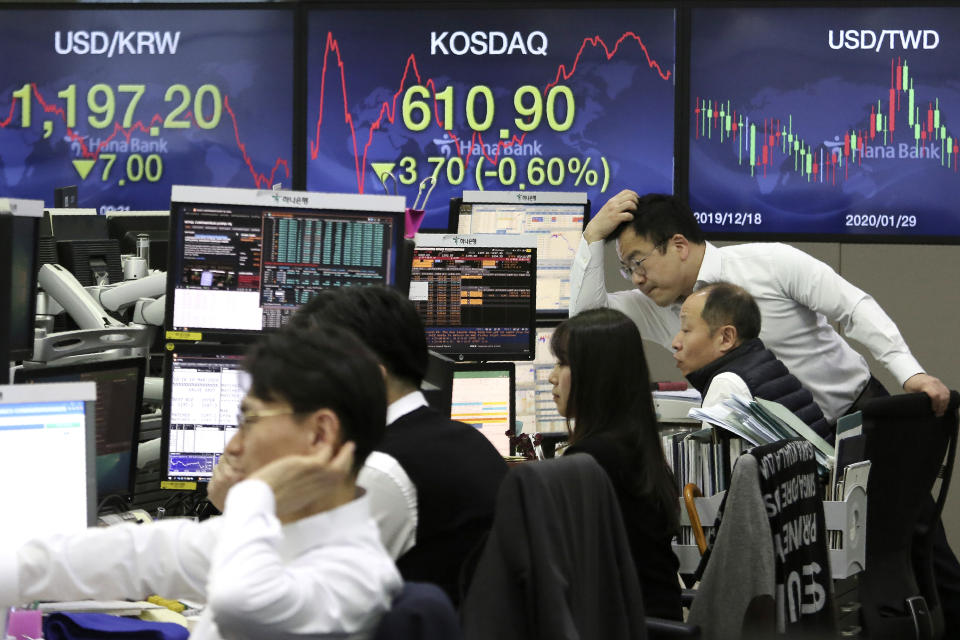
[[259, 179], [388, 110]]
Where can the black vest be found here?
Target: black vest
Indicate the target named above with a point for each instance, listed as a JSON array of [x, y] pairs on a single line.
[[767, 378]]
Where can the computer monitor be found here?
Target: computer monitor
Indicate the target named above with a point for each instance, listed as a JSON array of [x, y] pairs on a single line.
[[536, 409], [19, 232], [84, 247], [46, 459], [483, 396], [476, 294], [556, 218], [203, 387], [119, 404], [243, 260], [126, 226]]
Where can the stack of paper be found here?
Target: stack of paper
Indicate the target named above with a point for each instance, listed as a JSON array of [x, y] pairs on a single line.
[[761, 421]]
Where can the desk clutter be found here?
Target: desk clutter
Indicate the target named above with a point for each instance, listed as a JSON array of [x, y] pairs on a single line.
[[155, 619], [703, 459]]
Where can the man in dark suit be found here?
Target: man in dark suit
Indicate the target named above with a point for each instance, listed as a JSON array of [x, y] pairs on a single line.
[[455, 469]]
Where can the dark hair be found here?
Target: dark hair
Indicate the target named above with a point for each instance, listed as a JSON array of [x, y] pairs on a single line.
[[610, 396], [659, 217], [382, 317], [729, 304], [324, 367]]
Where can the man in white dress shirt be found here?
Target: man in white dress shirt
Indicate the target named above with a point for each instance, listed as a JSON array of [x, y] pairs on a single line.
[[663, 252], [296, 553]]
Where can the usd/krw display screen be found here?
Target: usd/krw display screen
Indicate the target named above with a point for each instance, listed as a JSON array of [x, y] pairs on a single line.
[[126, 103], [565, 99], [826, 121]]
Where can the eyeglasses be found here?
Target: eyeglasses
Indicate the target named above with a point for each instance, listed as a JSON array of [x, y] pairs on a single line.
[[246, 418], [634, 266]]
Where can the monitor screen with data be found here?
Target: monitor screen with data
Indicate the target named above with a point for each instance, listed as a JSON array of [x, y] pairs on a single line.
[[825, 122], [119, 402], [555, 218], [203, 387], [59, 497], [243, 260], [489, 96], [536, 409], [483, 397], [476, 294]]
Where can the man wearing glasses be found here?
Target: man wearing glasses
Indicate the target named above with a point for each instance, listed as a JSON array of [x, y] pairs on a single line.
[[296, 553], [663, 252]]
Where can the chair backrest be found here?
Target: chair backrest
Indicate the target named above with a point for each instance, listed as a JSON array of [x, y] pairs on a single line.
[[557, 563], [906, 444], [422, 611], [768, 568]]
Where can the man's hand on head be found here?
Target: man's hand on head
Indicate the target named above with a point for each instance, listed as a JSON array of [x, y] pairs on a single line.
[[617, 210], [225, 475], [938, 392], [310, 483]]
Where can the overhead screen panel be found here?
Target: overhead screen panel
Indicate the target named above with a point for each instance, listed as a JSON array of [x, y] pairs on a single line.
[[566, 99], [826, 121], [126, 103]]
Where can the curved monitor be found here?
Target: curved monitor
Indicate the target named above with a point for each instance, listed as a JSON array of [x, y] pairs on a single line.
[[243, 260], [476, 294]]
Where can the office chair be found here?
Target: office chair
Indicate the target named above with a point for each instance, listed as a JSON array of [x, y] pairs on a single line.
[[748, 589], [906, 444], [421, 611], [557, 563]]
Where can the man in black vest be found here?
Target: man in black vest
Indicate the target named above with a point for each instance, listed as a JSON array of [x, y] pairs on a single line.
[[455, 469], [720, 353]]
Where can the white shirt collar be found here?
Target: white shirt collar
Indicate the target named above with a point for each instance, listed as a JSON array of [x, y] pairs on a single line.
[[711, 268], [407, 404]]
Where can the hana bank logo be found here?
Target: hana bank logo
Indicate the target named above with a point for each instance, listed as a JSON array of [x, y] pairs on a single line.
[[447, 145]]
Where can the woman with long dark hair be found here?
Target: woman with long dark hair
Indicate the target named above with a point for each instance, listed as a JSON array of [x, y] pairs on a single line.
[[601, 385]]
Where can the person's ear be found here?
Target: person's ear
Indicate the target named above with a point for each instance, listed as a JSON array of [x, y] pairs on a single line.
[[727, 338], [383, 372], [323, 429], [682, 245]]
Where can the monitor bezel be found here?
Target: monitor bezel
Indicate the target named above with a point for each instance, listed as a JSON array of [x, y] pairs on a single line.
[[522, 197], [505, 365], [487, 241], [309, 201], [37, 375], [187, 349]]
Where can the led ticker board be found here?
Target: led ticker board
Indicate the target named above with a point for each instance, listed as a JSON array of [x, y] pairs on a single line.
[[125, 103], [826, 121], [565, 99]]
